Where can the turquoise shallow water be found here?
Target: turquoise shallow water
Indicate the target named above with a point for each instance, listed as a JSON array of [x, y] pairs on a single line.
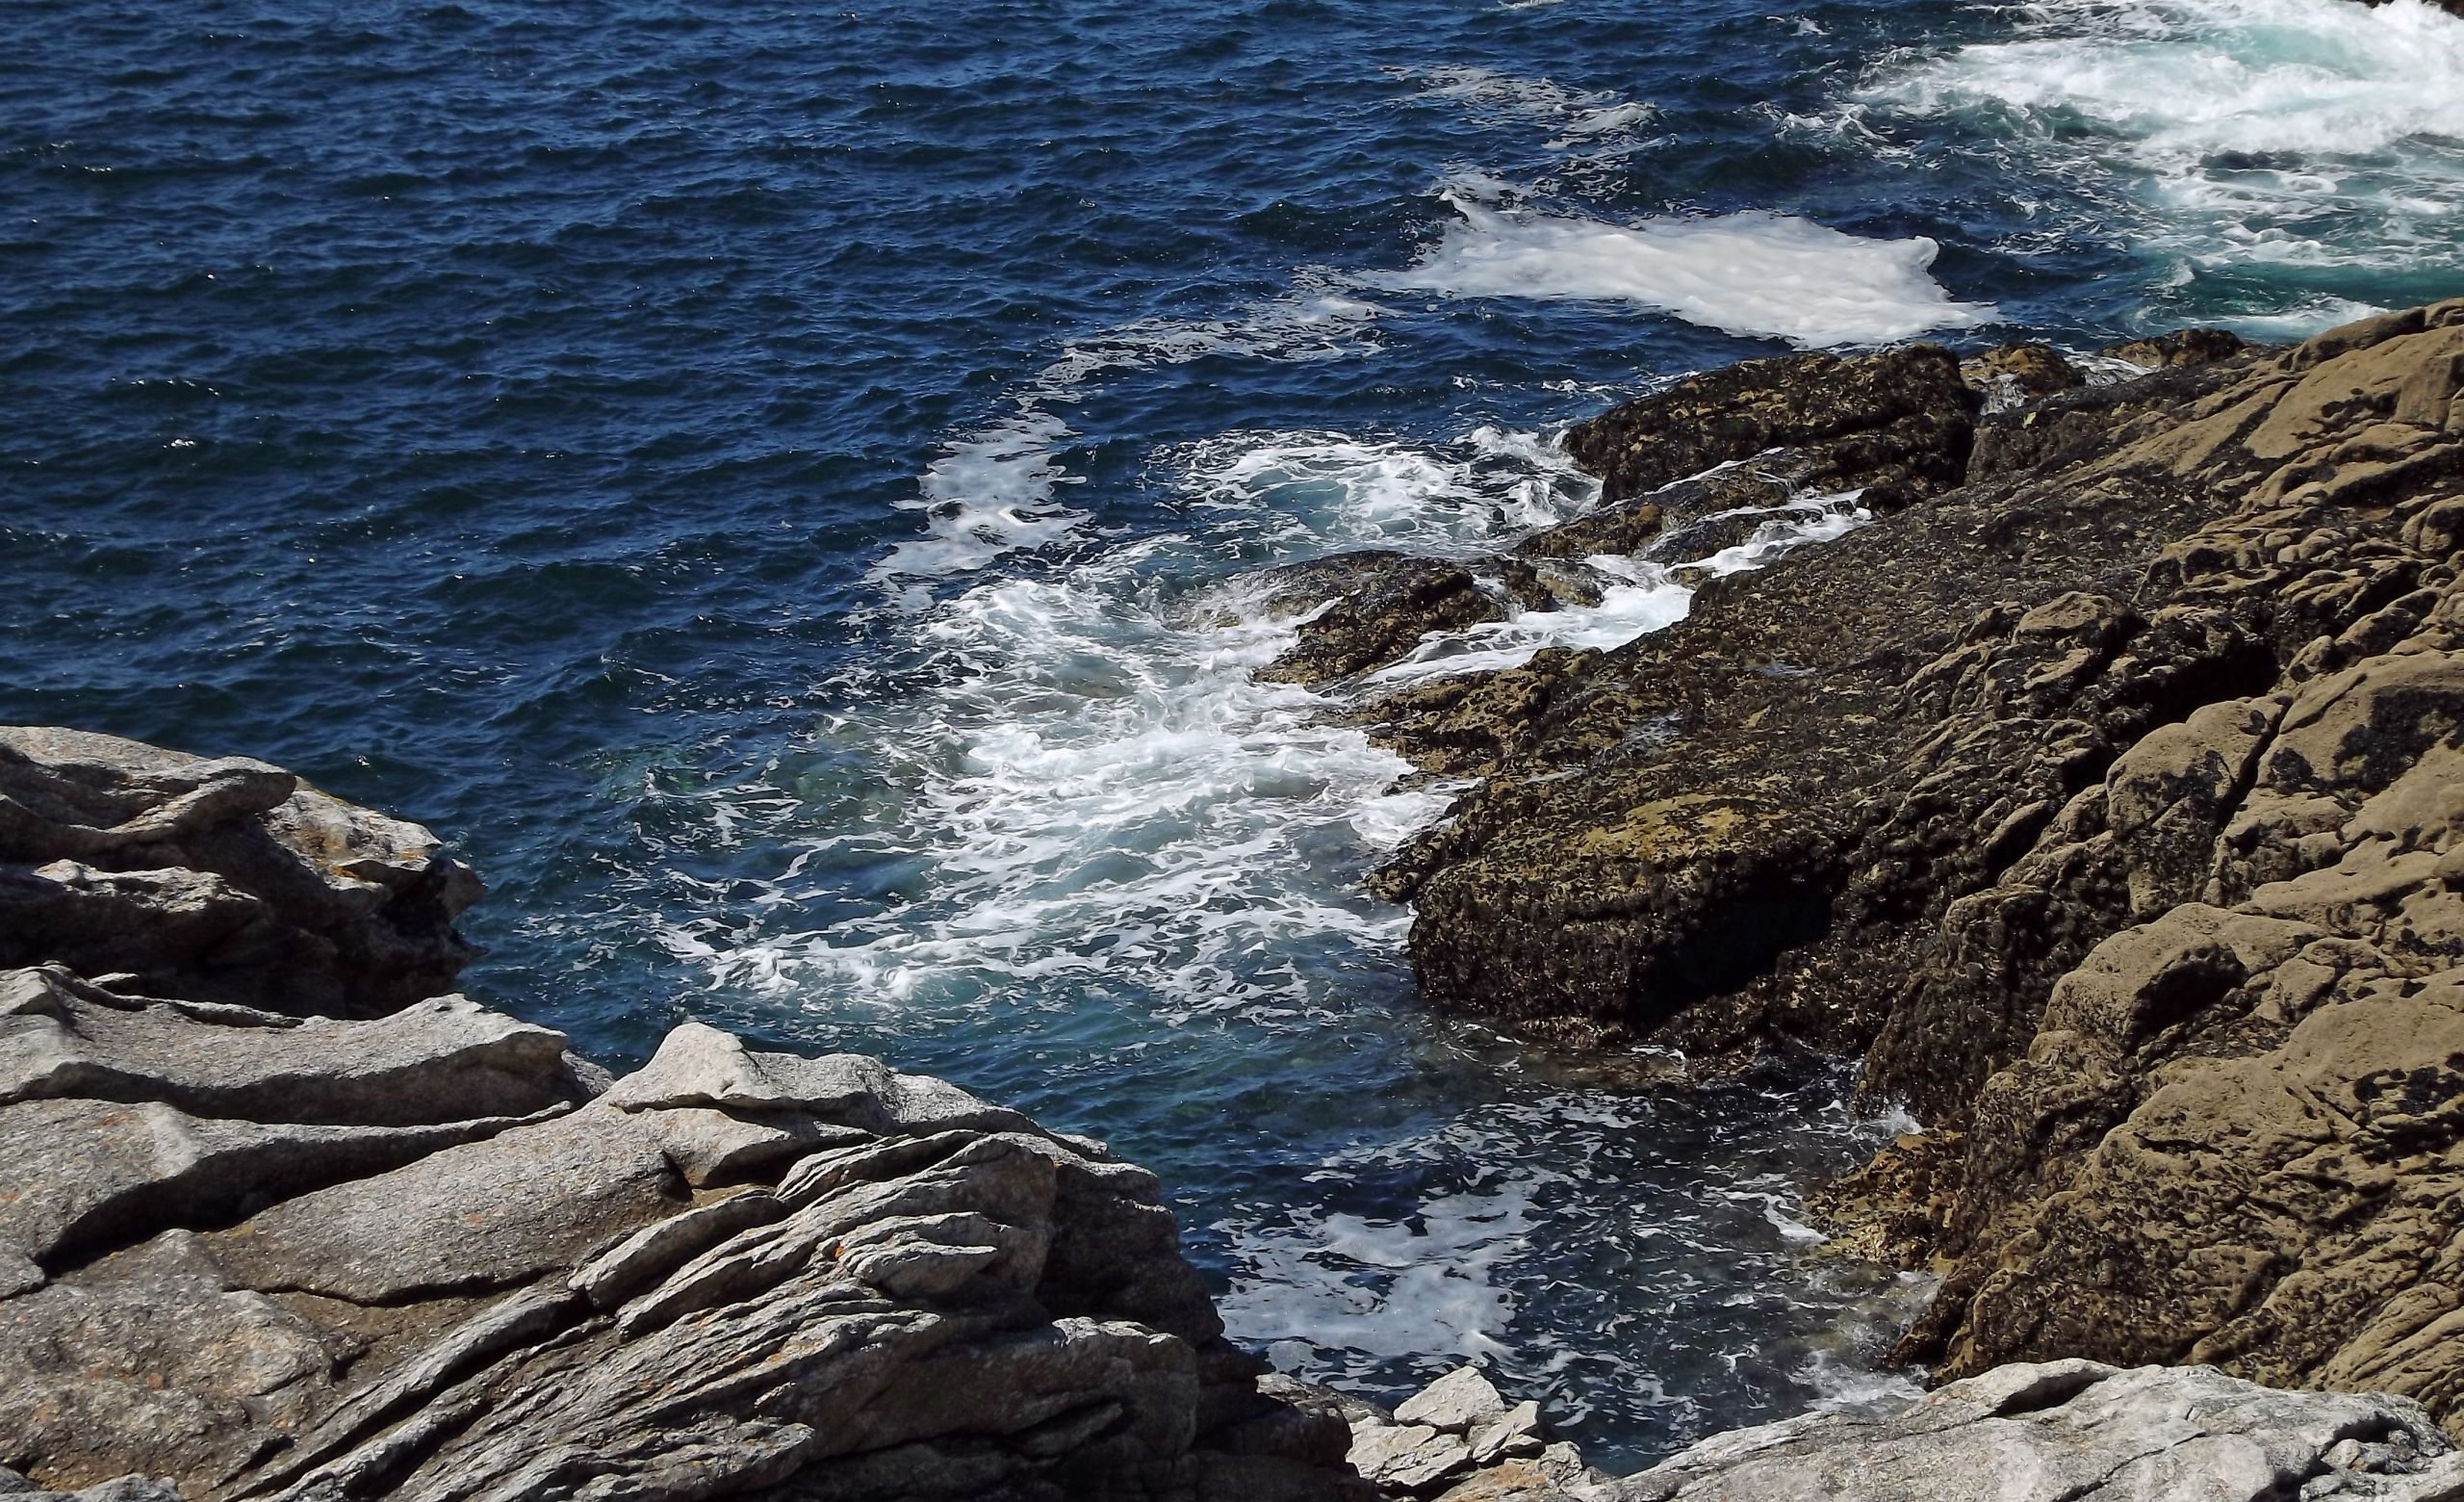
[[761, 482]]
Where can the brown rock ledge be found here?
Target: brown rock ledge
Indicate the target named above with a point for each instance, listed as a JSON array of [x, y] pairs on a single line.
[[2108, 800]]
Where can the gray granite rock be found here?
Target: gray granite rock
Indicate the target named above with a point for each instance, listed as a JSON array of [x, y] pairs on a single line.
[[439, 1060], [285, 1222], [223, 879], [1453, 1403], [2080, 1431]]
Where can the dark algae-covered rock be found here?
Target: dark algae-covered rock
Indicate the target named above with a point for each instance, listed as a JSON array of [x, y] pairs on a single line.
[[1365, 610], [2104, 798], [1898, 422]]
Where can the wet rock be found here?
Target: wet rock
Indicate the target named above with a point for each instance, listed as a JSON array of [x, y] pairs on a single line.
[[2078, 1431], [1472, 723], [2104, 803], [1898, 421], [1617, 529], [2015, 375], [1675, 466], [1365, 610], [2180, 348]]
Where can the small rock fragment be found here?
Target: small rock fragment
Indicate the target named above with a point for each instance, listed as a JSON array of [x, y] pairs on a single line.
[[1453, 1403]]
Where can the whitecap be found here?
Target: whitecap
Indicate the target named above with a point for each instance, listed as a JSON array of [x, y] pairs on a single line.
[[1752, 273], [1587, 117], [2302, 141], [989, 493], [995, 491]]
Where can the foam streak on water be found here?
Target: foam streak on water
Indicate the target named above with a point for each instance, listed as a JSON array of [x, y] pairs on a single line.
[[1742, 274]]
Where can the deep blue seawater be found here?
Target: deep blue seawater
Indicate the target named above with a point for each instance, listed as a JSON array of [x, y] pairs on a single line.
[[760, 480]]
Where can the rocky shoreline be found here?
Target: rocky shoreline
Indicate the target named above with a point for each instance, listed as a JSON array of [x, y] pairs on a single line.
[[2103, 801], [2100, 794], [2101, 791]]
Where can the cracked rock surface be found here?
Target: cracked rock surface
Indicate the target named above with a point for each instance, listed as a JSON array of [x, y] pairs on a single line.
[[2079, 1432], [267, 1237]]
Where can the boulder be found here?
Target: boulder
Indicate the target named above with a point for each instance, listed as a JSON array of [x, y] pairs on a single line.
[[217, 879], [2079, 1432], [2017, 374], [1460, 1439], [1360, 610], [1898, 422]]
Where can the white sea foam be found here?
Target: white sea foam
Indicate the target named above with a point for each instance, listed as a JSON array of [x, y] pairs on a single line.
[[2182, 80], [1087, 767], [1292, 494], [1432, 1286], [1091, 755], [988, 494], [1655, 595], [1747, 273], [995, 490], [2291, 136]]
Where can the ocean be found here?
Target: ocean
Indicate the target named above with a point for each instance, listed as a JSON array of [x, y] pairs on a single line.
[[771, 485]]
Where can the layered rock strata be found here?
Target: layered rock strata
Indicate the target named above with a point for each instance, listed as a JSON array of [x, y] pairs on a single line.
[[2104, 797], [308, 1238], [2078, 1431]]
